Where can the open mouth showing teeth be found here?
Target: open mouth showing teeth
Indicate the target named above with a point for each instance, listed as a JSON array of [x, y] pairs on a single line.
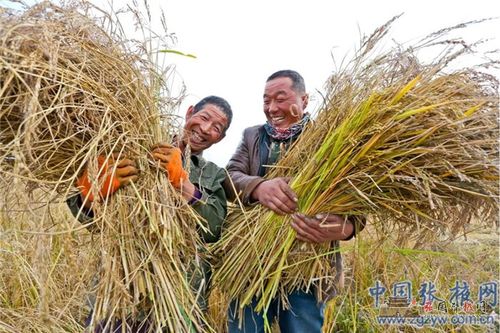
[[196, 137], [277, 119]]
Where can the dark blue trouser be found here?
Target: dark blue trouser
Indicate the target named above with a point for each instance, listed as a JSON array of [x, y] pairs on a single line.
[[305, 315]]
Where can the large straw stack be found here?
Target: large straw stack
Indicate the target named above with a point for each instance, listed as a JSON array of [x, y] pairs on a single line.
[[46, 264], [413, 145], [70, 92]]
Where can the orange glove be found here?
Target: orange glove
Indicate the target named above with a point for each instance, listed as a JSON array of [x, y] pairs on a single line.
[[111, 182], [170, 159]]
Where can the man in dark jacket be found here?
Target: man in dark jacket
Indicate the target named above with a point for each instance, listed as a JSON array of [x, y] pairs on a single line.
[[285, 99]]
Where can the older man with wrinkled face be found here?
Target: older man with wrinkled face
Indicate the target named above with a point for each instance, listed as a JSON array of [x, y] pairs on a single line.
[[206, 124], [285, 99], [204, 127]]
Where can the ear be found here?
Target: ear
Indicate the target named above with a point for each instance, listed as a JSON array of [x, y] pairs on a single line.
[[305, 101], [189, 112]]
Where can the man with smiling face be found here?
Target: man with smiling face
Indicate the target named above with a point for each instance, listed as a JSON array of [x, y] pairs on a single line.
[[285, 99], [206, 124]]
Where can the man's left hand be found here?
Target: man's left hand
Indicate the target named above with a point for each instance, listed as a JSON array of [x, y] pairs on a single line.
[[170, 159], [321, 228]]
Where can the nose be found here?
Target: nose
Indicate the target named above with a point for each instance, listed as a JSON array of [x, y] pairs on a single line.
[[205, 127], [272, 106]]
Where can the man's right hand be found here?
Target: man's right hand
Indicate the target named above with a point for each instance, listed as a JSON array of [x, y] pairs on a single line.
[[117, 173], [276, 195]]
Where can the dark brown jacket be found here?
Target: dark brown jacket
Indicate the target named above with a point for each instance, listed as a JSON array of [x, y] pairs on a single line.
[[243, 168]]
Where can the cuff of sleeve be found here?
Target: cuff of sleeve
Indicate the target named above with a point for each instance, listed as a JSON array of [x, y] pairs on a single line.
[[196, 196], [86, 211], [247, 198], [75, 204], [358, 224], [353, 233]]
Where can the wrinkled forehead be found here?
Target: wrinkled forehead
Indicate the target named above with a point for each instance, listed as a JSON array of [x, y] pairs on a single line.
[[281, 85]]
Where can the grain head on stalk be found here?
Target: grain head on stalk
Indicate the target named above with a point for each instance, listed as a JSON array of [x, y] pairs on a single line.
[[71, 89]]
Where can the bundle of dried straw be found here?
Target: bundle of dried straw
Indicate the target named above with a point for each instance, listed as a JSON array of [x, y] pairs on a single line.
[[412, 145], [71, 90]]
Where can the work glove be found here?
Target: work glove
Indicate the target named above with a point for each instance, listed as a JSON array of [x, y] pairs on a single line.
[[170, 159], [124, 173]]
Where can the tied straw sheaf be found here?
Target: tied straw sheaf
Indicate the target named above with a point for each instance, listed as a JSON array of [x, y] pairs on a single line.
[[411, 145], [72, 89]]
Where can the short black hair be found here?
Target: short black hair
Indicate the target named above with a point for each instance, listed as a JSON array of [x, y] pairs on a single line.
[[298, 83], [219, 102]]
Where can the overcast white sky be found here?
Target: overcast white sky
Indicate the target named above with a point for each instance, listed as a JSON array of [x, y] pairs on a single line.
[[238, 44]]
